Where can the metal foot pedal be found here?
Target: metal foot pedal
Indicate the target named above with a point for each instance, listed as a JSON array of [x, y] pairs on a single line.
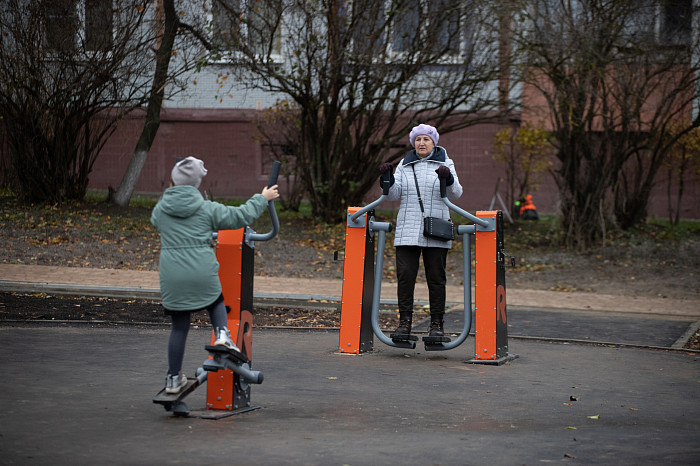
[[225, 358], [173, 401], [436, 340], [398, 338], [235, 356]]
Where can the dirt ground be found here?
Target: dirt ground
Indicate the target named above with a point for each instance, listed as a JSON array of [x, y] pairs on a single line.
[[109, 311], [121, 239]]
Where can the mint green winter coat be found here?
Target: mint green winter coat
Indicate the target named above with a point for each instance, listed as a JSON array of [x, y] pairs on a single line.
[[189, 271]]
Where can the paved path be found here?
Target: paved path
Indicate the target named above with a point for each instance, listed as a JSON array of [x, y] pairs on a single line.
[[13, 276], [589, 317]]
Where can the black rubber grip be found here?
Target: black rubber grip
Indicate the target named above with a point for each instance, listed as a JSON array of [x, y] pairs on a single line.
[[443, 187], [274, 173], [386, 182]]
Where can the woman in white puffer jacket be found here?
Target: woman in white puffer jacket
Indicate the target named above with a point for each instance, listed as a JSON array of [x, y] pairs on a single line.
[[428, 162]]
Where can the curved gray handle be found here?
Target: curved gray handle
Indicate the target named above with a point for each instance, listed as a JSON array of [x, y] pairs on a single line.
[[274, 173]]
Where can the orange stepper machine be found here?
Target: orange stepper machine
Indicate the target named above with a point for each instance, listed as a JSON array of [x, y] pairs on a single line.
[[361, 289]]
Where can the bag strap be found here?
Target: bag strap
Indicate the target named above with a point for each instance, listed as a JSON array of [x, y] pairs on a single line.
[[415, 178]]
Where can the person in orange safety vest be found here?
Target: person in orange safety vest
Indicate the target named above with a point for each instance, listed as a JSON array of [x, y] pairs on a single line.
[[528, 211]]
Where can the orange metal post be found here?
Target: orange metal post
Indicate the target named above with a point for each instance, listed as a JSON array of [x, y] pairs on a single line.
[[491, 330], [356, 334], [220, 384], [485, 292]]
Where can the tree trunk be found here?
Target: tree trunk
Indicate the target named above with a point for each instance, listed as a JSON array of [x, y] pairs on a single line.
[[122, 195], [681, 185]]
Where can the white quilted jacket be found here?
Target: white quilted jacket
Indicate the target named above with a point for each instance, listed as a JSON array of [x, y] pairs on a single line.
[[409, 221]]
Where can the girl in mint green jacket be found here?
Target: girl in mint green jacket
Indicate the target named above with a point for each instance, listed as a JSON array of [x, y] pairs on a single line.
[[189, 271]]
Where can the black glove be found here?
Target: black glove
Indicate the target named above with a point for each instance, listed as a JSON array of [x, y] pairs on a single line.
[[444, 172], [384, 169]]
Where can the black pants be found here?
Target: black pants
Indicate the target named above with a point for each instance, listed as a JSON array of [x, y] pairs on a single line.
[[407, 262], [181, 327]]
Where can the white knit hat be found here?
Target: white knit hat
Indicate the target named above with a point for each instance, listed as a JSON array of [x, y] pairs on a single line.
[[188, 171]]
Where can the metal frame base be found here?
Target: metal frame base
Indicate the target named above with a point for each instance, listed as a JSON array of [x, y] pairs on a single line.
[[215, 414], [494, 362]]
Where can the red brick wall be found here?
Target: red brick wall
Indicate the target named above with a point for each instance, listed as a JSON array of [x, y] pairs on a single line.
[[224, 139], [227, 142]]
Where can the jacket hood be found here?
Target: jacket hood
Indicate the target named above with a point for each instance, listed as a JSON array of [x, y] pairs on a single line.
[[438, 155], [181, 201]]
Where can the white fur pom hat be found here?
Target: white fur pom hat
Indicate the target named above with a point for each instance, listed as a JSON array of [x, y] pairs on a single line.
[[188, 171]]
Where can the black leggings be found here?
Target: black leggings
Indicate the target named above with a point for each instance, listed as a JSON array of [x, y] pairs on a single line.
[[407, 262], [181, 327]]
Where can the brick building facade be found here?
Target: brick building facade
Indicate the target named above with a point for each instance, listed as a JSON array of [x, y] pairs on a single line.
[[226, 139]]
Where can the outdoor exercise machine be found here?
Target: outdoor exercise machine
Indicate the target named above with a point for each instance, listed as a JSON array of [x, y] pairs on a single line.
[[228, 373], [361, 292]]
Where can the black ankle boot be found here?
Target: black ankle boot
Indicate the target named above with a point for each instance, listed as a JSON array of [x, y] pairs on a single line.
[[436, 325], [403, 331]]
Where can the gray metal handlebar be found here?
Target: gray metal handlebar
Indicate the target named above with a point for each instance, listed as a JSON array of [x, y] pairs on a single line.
[[253, 236], [443, 194], [367, 208], [386, 184], [250, 234]]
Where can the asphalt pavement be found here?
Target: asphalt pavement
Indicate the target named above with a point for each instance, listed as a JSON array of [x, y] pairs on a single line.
[[590, 386]]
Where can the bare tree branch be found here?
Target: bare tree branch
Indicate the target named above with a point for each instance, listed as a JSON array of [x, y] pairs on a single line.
[[357, 76]]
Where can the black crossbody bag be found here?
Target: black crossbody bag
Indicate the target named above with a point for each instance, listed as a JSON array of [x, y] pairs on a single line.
[[434, 227]]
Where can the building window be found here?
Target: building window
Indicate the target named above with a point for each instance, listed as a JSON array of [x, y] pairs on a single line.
[[99, 25], [225, 23], [263, 27], [664, 22], [405, 28], [73, 25], [247, 25], [276, 152], [399, 27], [675, 20], [61, 18], [658, 22], [449, 37], [368, 35]]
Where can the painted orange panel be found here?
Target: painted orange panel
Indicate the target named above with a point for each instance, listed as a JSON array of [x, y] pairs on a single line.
[[353, 275], [229, 254], [485, 297]]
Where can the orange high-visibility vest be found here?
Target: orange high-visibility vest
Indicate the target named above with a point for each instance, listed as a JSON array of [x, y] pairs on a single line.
[[527, 205]]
